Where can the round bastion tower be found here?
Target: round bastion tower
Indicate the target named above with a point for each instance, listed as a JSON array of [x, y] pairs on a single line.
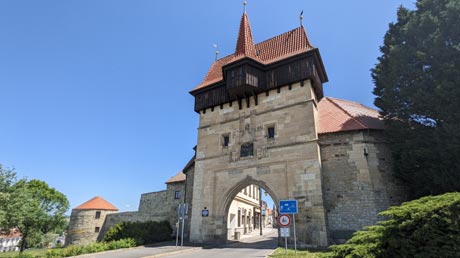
[[86, 221]]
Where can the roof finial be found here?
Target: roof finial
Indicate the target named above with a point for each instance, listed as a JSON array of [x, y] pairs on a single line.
[[301, 18], [244, 5], [217, 50]]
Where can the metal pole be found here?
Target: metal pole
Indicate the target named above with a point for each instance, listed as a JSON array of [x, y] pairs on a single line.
[[182, 234], [285, 244], [177, 232], [295, 240], [260, 214]]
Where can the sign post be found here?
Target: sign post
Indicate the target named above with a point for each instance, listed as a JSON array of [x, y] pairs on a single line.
[[284, 221], [290, 207], [181, 216]]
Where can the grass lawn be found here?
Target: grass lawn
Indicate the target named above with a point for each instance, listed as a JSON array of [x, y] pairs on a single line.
[[40, 252], [281, 253]]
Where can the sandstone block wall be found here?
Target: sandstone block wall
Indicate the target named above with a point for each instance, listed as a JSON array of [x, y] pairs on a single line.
[[155, 206], [357, 180], [82, 226], [288, 166]]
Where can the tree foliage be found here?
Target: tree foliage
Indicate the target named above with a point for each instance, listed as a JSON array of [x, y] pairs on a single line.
[[31, 206], [417, 88], [426, 227]]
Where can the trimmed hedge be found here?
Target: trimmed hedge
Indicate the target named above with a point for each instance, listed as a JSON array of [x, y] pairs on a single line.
[[426, 227], [142, 232]]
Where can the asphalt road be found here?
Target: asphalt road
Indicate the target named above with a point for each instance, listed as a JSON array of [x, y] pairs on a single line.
[[254, 246], [249, 246]]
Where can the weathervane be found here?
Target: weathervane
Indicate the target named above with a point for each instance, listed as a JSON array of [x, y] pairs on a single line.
[[301, 18], [217, 49], [244, 6]]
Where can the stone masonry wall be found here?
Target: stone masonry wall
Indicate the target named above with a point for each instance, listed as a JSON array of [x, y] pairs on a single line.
[[82, 226], [188, 200], [155, 206], [357, 181], [288, 166]]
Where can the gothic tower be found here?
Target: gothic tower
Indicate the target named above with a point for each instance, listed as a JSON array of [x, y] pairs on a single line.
[[258, 111]]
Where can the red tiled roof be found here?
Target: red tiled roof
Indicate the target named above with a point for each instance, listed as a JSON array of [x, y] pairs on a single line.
[[179, 177], [266, 52], [97, 203], [14, 233], [336, 115], [245, 43]]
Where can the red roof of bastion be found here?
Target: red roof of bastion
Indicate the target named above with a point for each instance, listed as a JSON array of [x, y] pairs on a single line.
[[266, 52], [97, 203], [337, 115], [179, 177]]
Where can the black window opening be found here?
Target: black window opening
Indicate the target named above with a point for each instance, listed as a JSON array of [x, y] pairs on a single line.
[[177, 195], [247, 149], [226, 140], [98, 215], [97, 229], [271, 132]]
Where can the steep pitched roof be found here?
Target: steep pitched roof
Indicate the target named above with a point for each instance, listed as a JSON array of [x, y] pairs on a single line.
[[266, 52], [179, 177], [337, 115], [97, 203], [245, 43]]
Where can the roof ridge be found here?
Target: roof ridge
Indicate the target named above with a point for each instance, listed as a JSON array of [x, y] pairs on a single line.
[[279, 35], [346, 112]]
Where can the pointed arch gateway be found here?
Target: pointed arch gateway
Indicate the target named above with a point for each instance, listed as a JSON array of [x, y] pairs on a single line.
[[232, 194]]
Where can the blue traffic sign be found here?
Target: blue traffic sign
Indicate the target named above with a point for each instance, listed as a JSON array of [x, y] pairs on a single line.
[[288, 207]]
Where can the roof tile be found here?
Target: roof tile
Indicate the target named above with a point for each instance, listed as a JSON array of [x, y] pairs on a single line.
[[179, 177], [97, 203], [337, 115], [266, 52]]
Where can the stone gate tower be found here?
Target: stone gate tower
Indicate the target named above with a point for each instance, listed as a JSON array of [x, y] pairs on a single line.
[[258, 125]]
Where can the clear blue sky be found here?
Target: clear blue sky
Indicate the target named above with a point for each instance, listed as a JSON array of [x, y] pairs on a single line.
[[94, 94]]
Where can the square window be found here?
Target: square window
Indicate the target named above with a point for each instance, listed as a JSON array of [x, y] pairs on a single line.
[[97, 229], [98, 215], [271, 132], [247, 149], [177, 195], [225, 140]]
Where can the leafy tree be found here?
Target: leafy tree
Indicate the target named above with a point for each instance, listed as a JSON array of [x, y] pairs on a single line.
[[417, 84], [31, 206], [426, 227]]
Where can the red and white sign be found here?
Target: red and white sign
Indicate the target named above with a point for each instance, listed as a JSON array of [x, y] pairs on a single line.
[[284, 220]]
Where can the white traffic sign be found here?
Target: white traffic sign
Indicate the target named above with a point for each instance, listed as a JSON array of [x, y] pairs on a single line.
[[284, 220], [284, 232]]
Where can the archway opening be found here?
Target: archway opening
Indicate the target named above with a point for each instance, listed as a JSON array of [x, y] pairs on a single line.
[[251, 214]]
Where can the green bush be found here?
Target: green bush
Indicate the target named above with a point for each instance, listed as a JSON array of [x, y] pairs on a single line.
[[74, 250], [426, 227], [142, 232]]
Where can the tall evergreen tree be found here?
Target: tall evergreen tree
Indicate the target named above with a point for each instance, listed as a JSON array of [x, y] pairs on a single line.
[[417, 88]]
